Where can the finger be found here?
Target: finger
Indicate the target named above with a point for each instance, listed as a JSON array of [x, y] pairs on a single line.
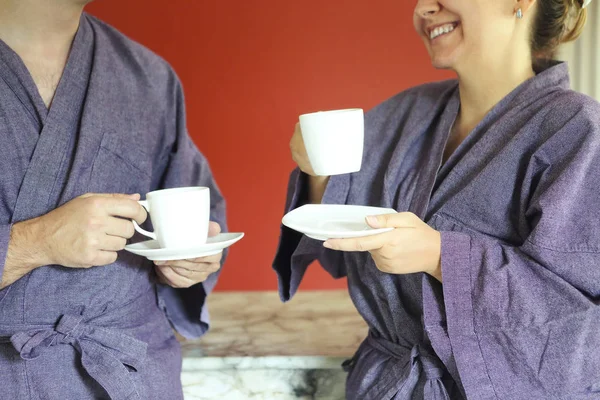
[[396, 220], [297, 141], [175, 280], [208, 259], [193, 262], [126, 208], [185, 264], [134, 196], [299, 158], [113, 243], [303, 163], [197, 275], [120, 227], [367, 243], [162, 278], [105, 258], [297, 136], [213, 229]]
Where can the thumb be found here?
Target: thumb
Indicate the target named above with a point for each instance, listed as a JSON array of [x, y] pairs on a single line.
[[376, 221], [213, 229], [396, 220]]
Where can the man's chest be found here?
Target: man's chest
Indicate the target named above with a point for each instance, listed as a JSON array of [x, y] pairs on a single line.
[[46, 75]]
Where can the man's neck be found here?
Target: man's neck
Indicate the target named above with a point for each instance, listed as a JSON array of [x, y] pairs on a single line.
[[37, 24], [41, 33]]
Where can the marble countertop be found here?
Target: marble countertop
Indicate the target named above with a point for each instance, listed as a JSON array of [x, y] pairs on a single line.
[[254, 330]]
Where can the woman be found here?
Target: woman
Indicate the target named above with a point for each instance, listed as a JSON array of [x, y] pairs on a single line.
[[489, 285]]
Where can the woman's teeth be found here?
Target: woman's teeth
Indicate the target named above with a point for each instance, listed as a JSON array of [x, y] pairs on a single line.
[[441, 30]]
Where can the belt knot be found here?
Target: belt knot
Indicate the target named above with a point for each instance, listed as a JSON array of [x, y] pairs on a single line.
[[105, 352]]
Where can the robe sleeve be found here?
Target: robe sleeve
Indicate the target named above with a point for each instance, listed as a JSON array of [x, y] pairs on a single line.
[[186, 166], [297, 251], [526, 318], [4, 239]]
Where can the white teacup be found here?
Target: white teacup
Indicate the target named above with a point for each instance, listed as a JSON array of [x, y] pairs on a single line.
[[180, 216], [334, 140]]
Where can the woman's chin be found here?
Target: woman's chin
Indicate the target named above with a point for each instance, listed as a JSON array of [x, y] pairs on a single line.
[[442, 66], [442, 63]]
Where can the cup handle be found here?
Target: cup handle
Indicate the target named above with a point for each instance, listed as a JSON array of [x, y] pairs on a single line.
[[144, 232]]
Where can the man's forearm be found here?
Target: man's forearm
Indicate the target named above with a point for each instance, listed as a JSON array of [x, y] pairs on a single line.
[[24, 252]]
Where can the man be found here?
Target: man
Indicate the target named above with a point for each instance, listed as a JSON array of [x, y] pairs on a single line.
[[89, 120]]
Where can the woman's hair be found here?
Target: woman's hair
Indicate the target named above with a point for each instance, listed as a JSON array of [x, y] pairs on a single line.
[[556, 22]]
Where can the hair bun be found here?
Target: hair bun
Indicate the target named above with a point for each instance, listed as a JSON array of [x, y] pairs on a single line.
[[557, 22]]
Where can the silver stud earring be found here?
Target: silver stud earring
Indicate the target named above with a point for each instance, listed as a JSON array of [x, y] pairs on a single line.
[[519, 14]]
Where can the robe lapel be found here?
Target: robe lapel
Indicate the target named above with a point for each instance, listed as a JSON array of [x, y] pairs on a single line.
[[488, 138], [21, 128], [44, 181], [416, 159], [98, 119], [15, 74]]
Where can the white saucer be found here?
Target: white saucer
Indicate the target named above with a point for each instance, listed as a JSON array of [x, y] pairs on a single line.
[[214, 245], [330, 221]]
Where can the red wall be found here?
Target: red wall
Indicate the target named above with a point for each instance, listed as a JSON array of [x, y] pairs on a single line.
[[249, 68]]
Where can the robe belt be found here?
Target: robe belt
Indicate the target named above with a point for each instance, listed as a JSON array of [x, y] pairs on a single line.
[[106, 354], [421, 362]]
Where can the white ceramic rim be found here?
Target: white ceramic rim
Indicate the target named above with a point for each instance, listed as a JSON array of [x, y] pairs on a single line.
[[309, 230], [324, 113], [167, 192]]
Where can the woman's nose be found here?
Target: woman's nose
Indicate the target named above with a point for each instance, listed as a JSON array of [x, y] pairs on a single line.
[[427, 8]]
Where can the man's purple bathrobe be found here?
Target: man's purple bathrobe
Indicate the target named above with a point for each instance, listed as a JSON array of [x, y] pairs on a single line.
[[116, 125]]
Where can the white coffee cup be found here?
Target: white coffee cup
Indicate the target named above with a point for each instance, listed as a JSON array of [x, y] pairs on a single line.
[[180, 216], [334, 140]]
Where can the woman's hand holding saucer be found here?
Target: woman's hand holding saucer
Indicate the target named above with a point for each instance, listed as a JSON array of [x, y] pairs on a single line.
[[413, 246]]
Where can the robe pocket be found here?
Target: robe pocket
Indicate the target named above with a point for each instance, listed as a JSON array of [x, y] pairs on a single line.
[[121, 166]]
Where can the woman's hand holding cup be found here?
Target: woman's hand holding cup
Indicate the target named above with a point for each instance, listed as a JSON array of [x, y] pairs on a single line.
[[317, 184], [328, 143], [299, 154]]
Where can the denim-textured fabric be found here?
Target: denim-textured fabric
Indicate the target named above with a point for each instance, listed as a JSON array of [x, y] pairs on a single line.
[[518, 314], [116, 125]]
